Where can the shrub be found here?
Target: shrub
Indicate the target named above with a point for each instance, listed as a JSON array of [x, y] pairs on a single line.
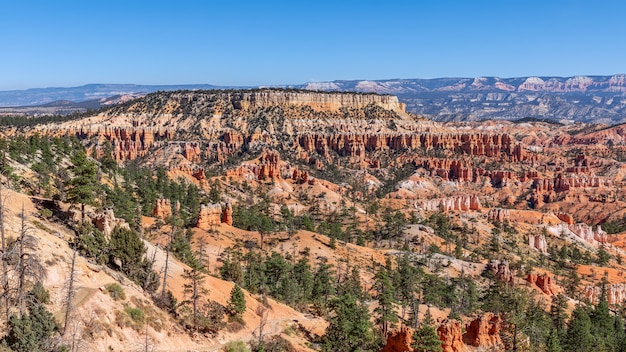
[[236, 346], [135, 314], [116, 291]]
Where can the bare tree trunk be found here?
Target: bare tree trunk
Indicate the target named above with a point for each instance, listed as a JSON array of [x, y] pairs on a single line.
[[150, 276], [21, 265], [416, 312], [262, 313], [5, 269], [167, 259], [70, 292], [194, 298]]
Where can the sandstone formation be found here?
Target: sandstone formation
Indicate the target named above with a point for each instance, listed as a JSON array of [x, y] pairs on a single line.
[[268, 166], [451, 336], [543, 282], [214, 214], [320, 101], [538, 242], [127, 143], [107, 222], [501, 270], [583, 231], [398, 341], [484, 332], [162, 209], [457, 203], [498, 214], [566, 218], [615, 293], [561, 183], [464, 170], [227, 214]]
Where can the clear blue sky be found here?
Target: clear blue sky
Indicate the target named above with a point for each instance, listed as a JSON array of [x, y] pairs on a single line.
[[68, 43]]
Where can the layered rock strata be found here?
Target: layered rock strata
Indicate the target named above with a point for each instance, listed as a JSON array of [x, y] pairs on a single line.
[[457, 203]]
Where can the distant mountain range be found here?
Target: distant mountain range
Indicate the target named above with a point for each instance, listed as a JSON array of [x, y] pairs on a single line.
[[89, 92], [581, 98]]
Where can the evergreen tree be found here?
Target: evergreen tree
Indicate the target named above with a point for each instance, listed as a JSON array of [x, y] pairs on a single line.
[[603, 322], [426, 339], [406, 281], [194, 289], [322, 283], [83, 186], [385, 312], [254, 274], [553, 344], [558, 313], [620, 334], [31, 332], [237, 303], [303, 276], [350, 328], [579, 337]]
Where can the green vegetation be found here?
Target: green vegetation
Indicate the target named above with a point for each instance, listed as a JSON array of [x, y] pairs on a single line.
[[115, 291], [236, 303]]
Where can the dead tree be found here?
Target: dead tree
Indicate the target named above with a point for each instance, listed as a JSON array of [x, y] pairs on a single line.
[[262, 312], [3, 256], [71, 291], [28, 267]]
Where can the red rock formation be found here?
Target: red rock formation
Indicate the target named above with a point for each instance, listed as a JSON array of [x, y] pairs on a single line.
[[451, 335], [543, 282], [233, 139], [484, 332], [210, 214], [127, 143], [398, 341], [162, 209], [355, 145], [106, 222], [498, 214], [214, 214], [268, 166], [501, 270], [191, 151], [457, 203], [449, 169], [501, 178], [227, 215], [566, 218], [299, 176], [561, 183]]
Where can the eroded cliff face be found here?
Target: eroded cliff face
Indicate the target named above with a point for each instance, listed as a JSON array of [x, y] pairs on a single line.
[[315, 127], [615, 293], [320, 101]]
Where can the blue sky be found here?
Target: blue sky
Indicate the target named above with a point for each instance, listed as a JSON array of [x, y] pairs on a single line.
[[68, 43]]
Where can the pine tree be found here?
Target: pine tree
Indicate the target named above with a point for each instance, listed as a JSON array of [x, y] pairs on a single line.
[[303, 276], [385, 312], [558, 313], [350, 328], [30, 332], [406, 281], [426, 339], [603, 321], [237, 303], [83, 186], [553, 344], [579, 337], [322, 283], [194, 289]]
